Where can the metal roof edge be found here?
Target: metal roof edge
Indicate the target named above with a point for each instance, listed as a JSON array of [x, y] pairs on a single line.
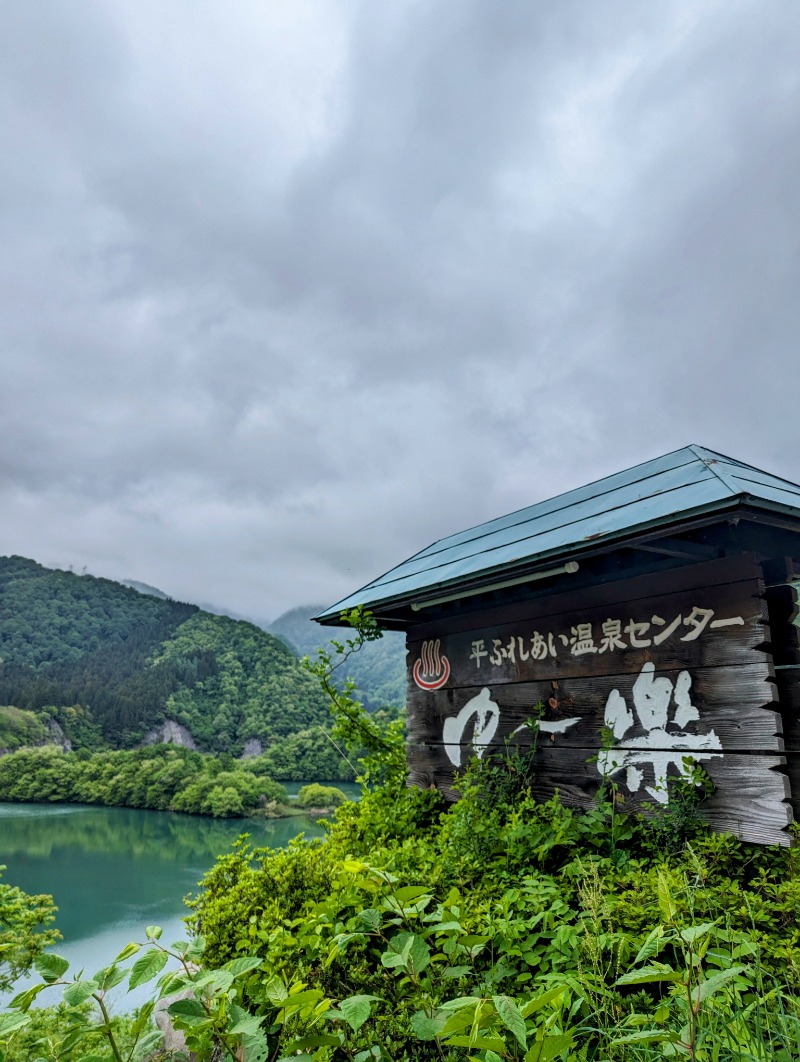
[[487, 575]]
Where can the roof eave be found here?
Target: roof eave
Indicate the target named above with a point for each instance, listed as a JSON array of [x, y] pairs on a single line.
[[596, 545]]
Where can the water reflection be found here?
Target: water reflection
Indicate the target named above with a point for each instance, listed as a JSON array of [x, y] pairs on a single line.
[[112, 871]]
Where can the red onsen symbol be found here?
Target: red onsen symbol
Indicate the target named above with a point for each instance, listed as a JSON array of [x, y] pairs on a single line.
[[432, 664]]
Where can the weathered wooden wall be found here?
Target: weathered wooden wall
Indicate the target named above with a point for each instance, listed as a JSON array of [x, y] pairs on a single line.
[[676, 664]]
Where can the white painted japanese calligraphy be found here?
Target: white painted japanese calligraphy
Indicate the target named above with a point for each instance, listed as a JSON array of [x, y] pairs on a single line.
[[658, 748], [487, 717]]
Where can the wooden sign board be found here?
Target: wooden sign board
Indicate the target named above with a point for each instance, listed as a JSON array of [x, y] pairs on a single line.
[[667, 666]]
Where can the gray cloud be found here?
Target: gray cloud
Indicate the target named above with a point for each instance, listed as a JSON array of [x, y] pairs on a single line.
[[287, 291]]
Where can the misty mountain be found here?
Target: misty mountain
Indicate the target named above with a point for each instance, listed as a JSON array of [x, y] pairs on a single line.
[[109, 664], [378, 668]]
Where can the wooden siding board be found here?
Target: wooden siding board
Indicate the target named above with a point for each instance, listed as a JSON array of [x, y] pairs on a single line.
[[750, 797], [724, 676]]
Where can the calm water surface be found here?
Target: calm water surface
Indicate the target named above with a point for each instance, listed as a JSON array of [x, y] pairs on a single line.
[[114, 871]]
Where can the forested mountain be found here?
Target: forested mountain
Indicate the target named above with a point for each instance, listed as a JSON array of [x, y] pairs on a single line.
[[378, 668], [109, 663]]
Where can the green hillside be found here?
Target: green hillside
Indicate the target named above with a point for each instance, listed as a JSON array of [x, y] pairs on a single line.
[[378, 669], [109, 663]]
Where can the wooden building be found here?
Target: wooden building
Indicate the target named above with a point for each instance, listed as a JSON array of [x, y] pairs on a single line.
[[657, 607]]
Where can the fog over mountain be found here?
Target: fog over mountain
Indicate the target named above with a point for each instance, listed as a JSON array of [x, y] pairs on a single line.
[[290, 290]]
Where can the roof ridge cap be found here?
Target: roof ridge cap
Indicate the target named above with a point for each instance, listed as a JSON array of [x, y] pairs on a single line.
[[710, 462]]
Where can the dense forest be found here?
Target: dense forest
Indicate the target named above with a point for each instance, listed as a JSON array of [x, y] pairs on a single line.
[[109, 664]]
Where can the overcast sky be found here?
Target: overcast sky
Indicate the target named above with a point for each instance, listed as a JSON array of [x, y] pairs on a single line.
[[291, 288]]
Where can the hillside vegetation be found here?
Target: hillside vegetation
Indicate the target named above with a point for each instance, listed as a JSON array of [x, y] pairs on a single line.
[[497, 929], [378, 669], [109, 664]]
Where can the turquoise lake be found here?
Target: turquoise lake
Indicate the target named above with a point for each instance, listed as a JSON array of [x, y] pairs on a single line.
[[114, 871]]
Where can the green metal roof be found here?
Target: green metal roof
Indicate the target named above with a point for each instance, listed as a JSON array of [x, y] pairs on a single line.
[[667, 490]]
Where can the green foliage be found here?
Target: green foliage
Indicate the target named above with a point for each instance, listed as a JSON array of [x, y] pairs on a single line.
[[320, 796], [160, 777], [25, 931], [502, 928], [378, 670], [493, 929], [18, 728], [256, 688], [310, 753]]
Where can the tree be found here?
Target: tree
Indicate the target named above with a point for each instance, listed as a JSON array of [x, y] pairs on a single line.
[[24, 932]]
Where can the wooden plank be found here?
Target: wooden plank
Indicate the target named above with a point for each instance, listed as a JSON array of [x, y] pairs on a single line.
[[736, 703], [793, 773], [788, 685], [750, 798], [741, 568], [700, 628]]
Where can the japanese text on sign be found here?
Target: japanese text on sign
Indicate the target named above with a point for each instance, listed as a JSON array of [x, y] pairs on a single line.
[[611, 635]]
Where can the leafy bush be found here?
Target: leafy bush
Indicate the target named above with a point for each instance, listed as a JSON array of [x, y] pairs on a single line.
[[160, 777], [497, 928], [320, 796]]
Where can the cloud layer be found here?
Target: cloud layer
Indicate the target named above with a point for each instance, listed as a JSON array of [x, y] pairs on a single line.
[[289, 290]]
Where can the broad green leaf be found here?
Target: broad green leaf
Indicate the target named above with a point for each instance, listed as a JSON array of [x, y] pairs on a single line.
[[691, 933], [51, 967], [216, 980], [148, 1043], [426, 1027], [369, 918], [459, 1021], [460, 1003], [242, 1023], [550, 996], [356, 1010], [110, 976], [651, 946], [648, 1036], [147, 966], [549, 1048], [276, 991], [153, 932], [481, 1042], [187, 1008], [511, 1017], [492, 1056], [24, 999], [411, 892], [717, 980], [188, 1013], [665, 901], [11, 1021], [196, 948], [298, 1000], [649, 975], [127, 951], [79, 992], [244, 965], [408, 951]]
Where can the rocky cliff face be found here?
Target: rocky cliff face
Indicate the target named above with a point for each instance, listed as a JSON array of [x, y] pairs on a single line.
[[170, 733]]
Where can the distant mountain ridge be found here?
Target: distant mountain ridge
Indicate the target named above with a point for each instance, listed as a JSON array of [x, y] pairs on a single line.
[[378, 668], [110, 663]]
